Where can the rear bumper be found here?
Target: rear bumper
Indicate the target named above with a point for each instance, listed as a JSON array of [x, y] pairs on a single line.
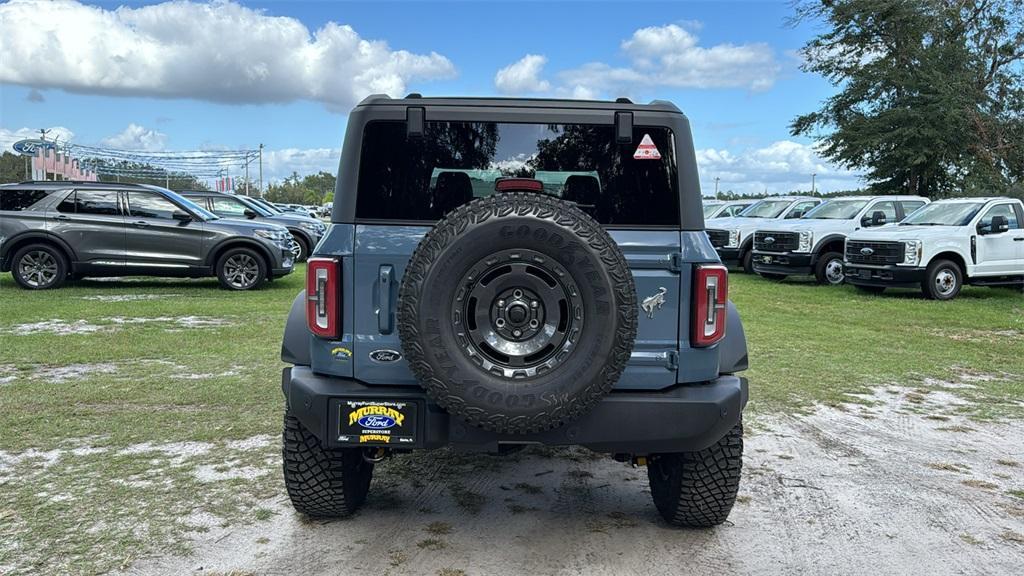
[[784, 263], [883, 276], [684, 418]]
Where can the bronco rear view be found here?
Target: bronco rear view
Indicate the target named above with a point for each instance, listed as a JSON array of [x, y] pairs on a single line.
[[510, 272]]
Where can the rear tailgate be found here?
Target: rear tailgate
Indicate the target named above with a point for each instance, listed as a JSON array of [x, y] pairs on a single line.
[[381, 253]]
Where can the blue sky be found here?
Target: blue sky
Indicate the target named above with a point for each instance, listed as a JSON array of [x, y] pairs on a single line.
[[731, 66]]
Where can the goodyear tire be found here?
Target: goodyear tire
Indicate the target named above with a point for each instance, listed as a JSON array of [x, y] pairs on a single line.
[[322, 483], [517, 312], [698, 489]]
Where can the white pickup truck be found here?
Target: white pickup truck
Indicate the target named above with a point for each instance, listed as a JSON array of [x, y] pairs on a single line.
[[813, 244], [725, 208], [733, 238], [941, 247]]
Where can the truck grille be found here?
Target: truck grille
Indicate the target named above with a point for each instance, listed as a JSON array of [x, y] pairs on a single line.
[[775, 241], [860, 252], [719, 238]]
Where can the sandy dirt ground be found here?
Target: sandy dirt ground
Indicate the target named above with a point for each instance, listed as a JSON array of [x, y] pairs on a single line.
[[883, 488]]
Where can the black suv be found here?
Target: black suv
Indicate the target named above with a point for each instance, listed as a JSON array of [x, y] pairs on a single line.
[[305, 231], [508, 272], [50, 231]]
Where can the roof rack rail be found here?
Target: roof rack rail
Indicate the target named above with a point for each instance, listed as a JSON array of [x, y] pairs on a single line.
[[413, 95], [623, 100]]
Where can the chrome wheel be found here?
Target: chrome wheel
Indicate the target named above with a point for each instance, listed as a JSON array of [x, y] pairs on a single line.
[[518, 314], [834, 271], [38, 268], [945, 282], [241, 271], [296, 249]]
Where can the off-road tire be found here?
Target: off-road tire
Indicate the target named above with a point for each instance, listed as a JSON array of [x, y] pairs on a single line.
[[821, 269], [929, 285], [223, 274], [870, 289], [322, 483], [698, 489], [56, 258], [556, 234]]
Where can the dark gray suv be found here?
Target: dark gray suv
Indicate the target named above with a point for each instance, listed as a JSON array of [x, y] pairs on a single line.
[[306, 231], [50, 231]]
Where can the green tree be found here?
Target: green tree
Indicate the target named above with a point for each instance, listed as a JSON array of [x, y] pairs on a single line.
[[931, 92], [12, 168]]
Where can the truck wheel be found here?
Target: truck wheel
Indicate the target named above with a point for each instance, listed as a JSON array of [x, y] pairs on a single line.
[[747, 262], [517, 312], [829, 269], [322, 483], [698, 489], [241, 269], [942, 280], [39, 267]]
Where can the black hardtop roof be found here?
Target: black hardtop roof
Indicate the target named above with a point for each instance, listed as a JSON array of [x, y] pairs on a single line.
[[620, 104]]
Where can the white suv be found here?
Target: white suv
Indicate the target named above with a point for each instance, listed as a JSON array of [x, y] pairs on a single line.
[[733, 238], [725, 208], [813, 245], [941, 247]]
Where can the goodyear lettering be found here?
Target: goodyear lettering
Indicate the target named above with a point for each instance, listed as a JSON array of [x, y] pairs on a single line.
[[395, 415]]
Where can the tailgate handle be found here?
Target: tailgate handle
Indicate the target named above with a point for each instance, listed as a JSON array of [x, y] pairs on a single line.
[[385, 278]]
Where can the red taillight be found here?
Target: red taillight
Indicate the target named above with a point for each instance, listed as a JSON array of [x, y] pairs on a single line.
[[520, 184], [710, 294], [323, 293]]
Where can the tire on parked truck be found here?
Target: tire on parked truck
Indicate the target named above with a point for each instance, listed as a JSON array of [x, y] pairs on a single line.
[[517, 312]]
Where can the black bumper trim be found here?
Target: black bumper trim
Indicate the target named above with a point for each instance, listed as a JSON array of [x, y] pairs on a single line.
[[728, 254], [884, 276], [684, 418], [785, 263]]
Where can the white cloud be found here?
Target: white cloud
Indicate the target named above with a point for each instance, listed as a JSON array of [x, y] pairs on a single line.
[[667, 56], [279, 164], [781, 167], [9, 136], [219, 51], [136, 137], [523, 76]]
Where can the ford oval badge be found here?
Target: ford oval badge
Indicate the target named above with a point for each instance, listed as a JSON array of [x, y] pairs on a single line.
[[376, 422], [385, 356], [867, 251], [769, 240]]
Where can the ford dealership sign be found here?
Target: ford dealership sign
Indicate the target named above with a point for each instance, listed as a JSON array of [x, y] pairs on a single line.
[[31, 146]]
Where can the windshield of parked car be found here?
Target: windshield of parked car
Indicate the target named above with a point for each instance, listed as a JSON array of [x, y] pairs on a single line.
[[422, 179], [943, 214], [710, 209], [192, 206], [765, 209], [254, 206], [836, 210]]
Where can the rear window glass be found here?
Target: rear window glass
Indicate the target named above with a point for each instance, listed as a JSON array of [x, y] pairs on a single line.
[[18, 200], [421, 179]]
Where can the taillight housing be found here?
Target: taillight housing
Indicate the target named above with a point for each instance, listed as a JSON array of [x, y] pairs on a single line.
[[710, 294], [323, 295]]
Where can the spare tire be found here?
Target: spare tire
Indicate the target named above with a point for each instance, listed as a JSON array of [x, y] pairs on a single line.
[[517, 312]]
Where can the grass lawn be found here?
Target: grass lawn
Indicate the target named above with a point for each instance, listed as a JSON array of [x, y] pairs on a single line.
[[134, 412]]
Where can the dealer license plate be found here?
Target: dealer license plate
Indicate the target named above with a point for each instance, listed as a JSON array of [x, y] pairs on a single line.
[[766, 259], [377, 422]]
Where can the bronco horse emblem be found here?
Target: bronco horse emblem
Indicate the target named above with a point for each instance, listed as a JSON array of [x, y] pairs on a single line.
[[652, 303]]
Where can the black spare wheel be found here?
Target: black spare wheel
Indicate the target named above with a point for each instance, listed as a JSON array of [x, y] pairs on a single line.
[[517, 312]]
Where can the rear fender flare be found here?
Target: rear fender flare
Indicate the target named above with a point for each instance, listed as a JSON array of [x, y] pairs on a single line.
[[295, 345], [732, 352]]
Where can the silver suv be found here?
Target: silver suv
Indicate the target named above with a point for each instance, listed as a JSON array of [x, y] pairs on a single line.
[[52, 231]]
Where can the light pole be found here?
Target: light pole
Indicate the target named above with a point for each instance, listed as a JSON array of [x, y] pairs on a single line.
[[812, 183], [716, 187], [261, 170]]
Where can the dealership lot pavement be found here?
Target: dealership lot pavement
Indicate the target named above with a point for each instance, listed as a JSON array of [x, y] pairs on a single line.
[[140, 424]]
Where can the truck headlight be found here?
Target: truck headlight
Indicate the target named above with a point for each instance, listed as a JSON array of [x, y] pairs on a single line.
[[911, 252], [806, 239], [734, 239]]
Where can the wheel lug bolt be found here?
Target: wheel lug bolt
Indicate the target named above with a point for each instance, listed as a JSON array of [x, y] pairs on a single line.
[[517, 332], [501, 303], [533, 303]]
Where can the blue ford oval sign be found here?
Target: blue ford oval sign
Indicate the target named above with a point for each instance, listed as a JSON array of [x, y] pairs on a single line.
[[376, 422], [30, 146]]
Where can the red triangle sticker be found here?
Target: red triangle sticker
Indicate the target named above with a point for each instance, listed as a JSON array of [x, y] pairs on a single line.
[[647, 150]]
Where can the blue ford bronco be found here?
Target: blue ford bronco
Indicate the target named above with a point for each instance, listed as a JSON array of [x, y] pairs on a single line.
[[505, 272]]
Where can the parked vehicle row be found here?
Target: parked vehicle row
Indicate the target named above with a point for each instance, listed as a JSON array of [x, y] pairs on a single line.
[[878, 242], [51, 231]]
